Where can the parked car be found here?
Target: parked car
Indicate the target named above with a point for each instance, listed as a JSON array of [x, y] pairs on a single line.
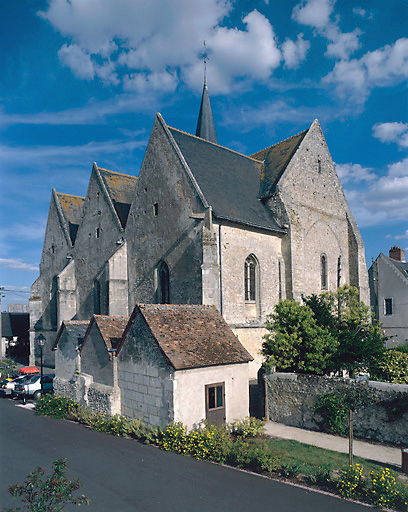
[[7, 388], [32, 387]]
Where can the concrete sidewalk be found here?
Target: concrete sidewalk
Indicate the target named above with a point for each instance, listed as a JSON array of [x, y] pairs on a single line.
[[370, 451]]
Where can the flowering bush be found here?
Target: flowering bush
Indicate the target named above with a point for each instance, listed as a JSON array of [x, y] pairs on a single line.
[[351, 482], [248, 427], [55, 406], [383, 490], [48, 495], [174, 438]]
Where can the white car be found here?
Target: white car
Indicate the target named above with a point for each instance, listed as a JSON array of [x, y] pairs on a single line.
[[8, 388], [32, 387]]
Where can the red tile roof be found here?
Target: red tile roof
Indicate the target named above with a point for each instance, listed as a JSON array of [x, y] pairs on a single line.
[[191, 336]]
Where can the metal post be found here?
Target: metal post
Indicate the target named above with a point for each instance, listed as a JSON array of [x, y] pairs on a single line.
[[41, 378], [351, 437]]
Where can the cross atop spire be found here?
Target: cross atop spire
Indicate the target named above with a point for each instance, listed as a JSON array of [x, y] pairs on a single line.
[[205, 125], [206, 58]]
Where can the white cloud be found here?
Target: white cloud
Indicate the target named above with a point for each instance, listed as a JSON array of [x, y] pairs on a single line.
[[18, 265], [392, 132], [60, 155], [317, 14], [342, 44], [314, 13], [92, 113], [142, 82], [383, 67], [384, 200], [294, 52], [354, 173], [398, 169], [401, 237], [79, 61], [131, 43]]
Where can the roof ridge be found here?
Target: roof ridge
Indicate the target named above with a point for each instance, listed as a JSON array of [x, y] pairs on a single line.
[[218, 145], [69, 195], [120, 173], [280, 142]]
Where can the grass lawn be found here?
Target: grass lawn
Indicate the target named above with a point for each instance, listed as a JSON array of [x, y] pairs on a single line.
[[313, 457]]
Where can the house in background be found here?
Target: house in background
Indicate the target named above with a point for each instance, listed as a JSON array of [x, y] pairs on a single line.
[[388, 278], [165, 363]]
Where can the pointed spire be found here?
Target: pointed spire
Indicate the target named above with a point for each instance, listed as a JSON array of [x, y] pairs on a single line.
[[205, 125]]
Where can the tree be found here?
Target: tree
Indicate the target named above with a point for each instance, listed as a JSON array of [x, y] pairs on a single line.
[[296, 343], [360, 341], [330, 331]]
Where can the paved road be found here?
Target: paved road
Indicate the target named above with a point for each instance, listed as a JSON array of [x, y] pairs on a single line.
[[121, 475]]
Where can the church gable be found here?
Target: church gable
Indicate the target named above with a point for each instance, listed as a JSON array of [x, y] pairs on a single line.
[[71, 208], [275, 160], [120, 188], [164, 228], [99, 235], [310, 177]]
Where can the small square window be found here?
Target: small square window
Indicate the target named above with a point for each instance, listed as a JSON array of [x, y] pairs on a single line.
[[215, 396], [388, 307]]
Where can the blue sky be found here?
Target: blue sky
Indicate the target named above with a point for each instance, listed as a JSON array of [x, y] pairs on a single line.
[[81, 81]]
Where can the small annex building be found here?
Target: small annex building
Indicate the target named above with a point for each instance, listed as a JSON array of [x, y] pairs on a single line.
[[165, 363], [67, 345]]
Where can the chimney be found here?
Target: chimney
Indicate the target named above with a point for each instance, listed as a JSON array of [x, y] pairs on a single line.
[[396, 253]]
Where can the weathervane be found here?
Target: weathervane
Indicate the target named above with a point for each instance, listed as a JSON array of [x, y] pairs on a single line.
[[205, 57]]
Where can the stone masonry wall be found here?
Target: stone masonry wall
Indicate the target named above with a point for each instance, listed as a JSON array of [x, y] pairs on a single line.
[[82, 389], [291, 399], [145, 378]]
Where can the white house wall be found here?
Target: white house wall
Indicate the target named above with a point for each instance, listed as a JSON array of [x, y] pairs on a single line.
[[189, 392]]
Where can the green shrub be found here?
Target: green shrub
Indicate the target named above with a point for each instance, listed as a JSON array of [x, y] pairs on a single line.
[[401, 348], [114, 425], [391, 367], [383, 489], [290, 469], [209, 442], [56, 406], [139, 430], [48, 495], [246, 455], [334, 412], [248, 427], [321, 476], [351, 482], [8, 367]]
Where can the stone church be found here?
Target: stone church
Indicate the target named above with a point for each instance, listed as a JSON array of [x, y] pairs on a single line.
[[201, 224]]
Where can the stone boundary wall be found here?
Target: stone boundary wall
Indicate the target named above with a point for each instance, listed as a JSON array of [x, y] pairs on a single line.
[[95, 396], [290, 399]]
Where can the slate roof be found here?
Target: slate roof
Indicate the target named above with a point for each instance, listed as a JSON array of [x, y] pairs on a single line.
[[110, 327], [276, 158], [228, 180], [205, 123], [191, 336], [75, 328], [121, 188], [72, 209], [401, 266]]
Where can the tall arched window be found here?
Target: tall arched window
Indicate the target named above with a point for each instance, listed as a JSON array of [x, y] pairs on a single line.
[[339, 272], [250, 278], [163, 283], [323, 271], [97, 297], [54, 303]]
